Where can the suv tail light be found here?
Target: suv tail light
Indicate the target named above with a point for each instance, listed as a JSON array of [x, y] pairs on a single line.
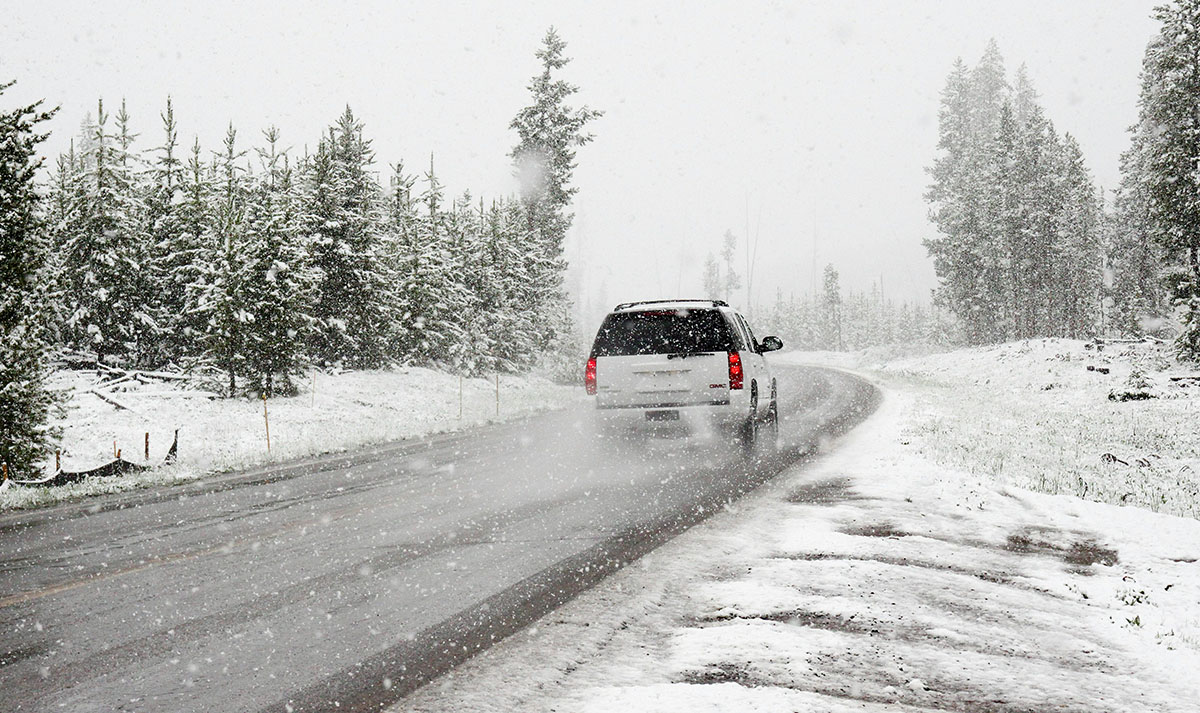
[[735, 370], [589, 377]]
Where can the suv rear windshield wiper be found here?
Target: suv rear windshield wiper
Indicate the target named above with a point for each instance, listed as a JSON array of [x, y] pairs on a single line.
[[685, 355]]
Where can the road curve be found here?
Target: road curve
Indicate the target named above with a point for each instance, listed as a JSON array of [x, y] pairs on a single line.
[[346, 581]]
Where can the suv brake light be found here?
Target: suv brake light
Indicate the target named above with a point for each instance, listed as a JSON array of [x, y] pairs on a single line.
[[735, 370], [589, 377]]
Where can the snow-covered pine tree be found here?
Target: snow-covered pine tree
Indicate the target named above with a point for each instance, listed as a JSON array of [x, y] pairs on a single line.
[[197, 265], [342, 227], [1170, 134], [222, 299], [103, 250], [397, 259], [524, 334], [831, 311], [432, 289], [549, 132], [172, 249], [1140, 304], [272, 276], [143, 297], [66, 199], [733, 281], [1079, 229], [957, 196], [1036, 257], [474, 315], [512, 332], [24, 430]]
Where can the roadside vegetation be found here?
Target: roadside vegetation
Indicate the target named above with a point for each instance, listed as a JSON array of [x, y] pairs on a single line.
[[1109, 422], [239, 271]]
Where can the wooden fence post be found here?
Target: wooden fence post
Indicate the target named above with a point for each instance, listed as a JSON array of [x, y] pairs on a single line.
[[266, 422], [147, 445]]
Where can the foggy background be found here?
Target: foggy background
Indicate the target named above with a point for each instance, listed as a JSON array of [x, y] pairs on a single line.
[[807, 125]]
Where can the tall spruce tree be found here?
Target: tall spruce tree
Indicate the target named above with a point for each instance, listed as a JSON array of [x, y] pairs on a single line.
[[549, 132], [1139, 301], [272, 276], [831, 311], [103, 249], [198, 246], [342, 223], [172, 250], [143, 298], [1079, 225], [1168, 147], [222, 301], [24, 431], [733, 281]]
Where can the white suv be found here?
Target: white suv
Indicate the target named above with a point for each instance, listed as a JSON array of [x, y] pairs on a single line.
[[689, 363]]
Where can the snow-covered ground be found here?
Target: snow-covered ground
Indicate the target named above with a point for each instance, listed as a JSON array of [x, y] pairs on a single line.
[[906, 568], [333, 413]]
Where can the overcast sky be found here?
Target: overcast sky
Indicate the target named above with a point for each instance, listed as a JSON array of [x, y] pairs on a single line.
[[812, 122]]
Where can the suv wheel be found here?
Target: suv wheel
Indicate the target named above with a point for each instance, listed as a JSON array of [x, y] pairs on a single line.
[[748, 435]]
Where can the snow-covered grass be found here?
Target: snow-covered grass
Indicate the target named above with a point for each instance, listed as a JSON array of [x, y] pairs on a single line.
[[906, 569], [1033, 414], [333, 413]]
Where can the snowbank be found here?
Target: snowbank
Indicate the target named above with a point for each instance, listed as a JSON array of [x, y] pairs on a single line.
[[1113, 423], [334, 413]]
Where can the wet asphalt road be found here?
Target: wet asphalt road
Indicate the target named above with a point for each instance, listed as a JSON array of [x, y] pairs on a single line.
[[344, 582]]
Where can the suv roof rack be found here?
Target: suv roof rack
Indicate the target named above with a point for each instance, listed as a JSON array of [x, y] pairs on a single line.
[[627, 305]]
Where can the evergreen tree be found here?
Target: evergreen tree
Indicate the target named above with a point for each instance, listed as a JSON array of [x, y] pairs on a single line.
[[732, 280], [198, 252], [222, 298], [143, 289], [103, 250], [1139, 302], [549, 132], [66, 200], [172, 248], [957, 195], [432, 291], [24, 433], [342, 224], [831, 311], [1169, 146], [272, 276], [1079, 226]]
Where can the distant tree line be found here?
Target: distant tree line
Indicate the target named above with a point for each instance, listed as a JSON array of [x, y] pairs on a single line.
[[833, 321], [259, 261]]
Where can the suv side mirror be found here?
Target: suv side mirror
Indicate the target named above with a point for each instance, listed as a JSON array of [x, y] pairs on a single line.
[[770, 344]]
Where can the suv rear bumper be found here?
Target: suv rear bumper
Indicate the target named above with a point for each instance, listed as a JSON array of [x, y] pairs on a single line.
[[673, 419]]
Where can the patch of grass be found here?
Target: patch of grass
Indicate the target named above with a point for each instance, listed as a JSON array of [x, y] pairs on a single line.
[[991, 416]]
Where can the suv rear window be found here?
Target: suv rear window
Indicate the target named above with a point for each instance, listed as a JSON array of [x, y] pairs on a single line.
[[662, 332]]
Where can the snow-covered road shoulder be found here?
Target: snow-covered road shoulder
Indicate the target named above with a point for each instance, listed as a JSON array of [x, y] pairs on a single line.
[[333, 413], [873, 579]]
